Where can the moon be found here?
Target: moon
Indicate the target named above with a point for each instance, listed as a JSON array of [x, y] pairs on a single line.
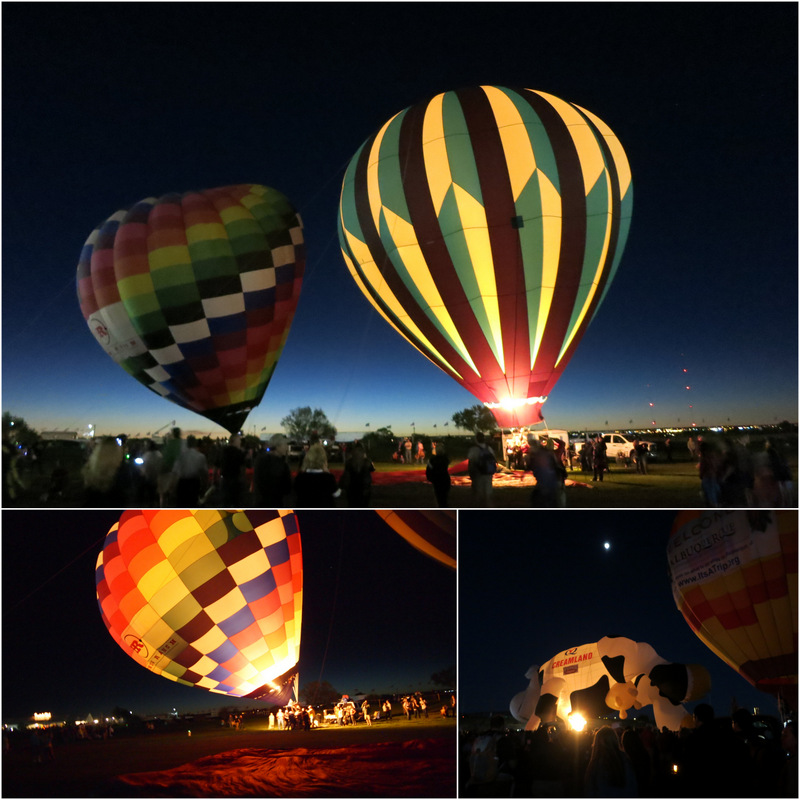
[[607, 545]]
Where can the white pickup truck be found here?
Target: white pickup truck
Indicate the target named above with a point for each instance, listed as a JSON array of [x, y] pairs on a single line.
[[618, 445]]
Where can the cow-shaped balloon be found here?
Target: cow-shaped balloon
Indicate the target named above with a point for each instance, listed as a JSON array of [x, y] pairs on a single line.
[[614, 673]]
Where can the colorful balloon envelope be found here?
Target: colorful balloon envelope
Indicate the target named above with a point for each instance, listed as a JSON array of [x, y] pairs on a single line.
[[194, 294], [734, 579], [431, 532], [207, 598], [486, 225]]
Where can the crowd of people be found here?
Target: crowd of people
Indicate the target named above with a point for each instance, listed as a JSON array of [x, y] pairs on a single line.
[[728, 757], [732, 477], [731, 474], [186, 472], [294, 717]]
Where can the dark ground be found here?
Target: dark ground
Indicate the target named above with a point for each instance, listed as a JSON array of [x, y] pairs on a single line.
[[90, 768]]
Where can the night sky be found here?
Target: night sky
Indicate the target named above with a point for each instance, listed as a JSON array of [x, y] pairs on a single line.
[[105, 104], [534, 584], [378, 616]]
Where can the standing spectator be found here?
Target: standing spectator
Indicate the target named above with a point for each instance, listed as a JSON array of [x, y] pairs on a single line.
[[634, 748], [586, 454], [788, 777], [356, 480], [610, 772], [481, 467], [315, 486], [640, 454], [108, 478], [232, 473], [549, 472], [437, 472], [151, 469], [407, 445], [191, 469], [736, 476], [715, 762], [772, 479], [709, 467], [167, 480], [272, 478], [599, 458]]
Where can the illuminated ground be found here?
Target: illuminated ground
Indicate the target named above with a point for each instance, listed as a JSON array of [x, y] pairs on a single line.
[[397, 758]]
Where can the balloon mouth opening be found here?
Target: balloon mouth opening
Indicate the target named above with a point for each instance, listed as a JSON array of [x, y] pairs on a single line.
[[278, 689], [513, 403], [517, 411]]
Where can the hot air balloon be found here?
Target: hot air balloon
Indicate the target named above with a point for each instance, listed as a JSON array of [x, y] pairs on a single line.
[[193, 294], [207, 598], [734, 579], [431, 532], [485, 225], [612, 673]]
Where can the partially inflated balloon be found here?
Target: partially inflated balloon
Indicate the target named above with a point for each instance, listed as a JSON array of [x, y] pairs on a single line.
[[193, 294], [734, 579], [431, 532], [207, 598], [485, 225], [616, 673]]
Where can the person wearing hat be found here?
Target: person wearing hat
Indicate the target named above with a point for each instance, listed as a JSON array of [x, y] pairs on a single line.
[[272, 478]]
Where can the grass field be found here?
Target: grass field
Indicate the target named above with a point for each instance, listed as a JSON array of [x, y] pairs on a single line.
[[674, 485]]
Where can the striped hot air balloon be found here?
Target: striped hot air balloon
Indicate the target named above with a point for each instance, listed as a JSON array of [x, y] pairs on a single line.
[[486, 225], [207, 598], [194, 294], [431, 532], [734, 579]]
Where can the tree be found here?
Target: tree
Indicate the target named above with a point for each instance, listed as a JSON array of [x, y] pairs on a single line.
[[446, 678], [300, 423], [476, 418], [379, 443], [15, 429], [318, 693]]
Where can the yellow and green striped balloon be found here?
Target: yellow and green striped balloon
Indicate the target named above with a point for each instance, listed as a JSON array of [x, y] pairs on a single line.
[[485, 225]]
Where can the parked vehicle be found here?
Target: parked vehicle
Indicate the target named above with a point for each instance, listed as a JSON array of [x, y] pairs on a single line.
[[618, 445]]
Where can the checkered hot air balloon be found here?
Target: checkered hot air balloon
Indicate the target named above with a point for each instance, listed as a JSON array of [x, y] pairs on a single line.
[[485, 225], [734, 579], [207, 598], [193, 294]]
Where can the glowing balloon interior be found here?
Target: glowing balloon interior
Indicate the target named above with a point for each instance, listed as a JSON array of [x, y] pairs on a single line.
[[207, 598], [613, 673], [194, 294], [485, 225], [734, 579], [431, 532]]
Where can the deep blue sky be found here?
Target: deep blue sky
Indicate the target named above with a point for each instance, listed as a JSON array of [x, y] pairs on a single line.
[[534, 584], [105, 104], [378, 616]]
